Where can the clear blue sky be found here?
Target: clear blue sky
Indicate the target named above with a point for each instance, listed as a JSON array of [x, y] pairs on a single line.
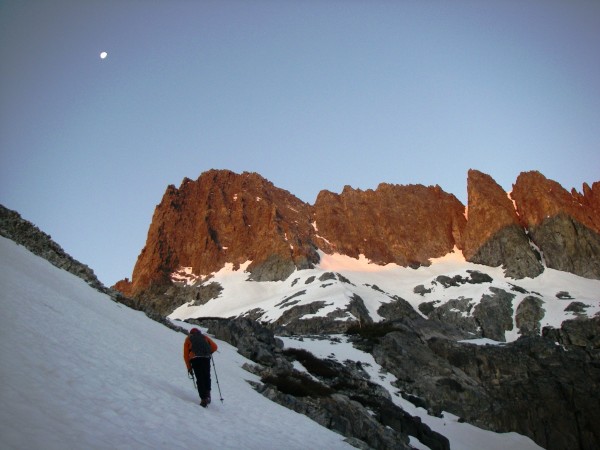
[[311, 94]]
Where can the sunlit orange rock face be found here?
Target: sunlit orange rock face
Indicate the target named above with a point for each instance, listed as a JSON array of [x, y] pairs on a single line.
[[490, 210], [224, 217], [539, 199], [406, 225]]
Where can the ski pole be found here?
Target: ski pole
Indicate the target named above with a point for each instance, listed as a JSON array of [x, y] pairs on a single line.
[[217, 378]]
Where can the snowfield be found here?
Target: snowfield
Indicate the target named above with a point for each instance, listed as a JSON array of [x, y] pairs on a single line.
[[377, 284], [81, 371]]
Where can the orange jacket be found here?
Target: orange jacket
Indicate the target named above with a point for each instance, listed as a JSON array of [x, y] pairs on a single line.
[[188, 354]]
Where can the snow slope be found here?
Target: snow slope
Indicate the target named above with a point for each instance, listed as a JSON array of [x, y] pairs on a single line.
[[80, 371], [379, 284]]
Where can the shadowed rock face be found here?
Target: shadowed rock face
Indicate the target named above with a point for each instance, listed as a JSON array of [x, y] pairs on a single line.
[[23, 232], [532, 386], [339, 396], [568, 245]]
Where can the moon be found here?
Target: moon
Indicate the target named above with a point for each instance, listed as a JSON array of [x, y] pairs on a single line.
[[103, 55]]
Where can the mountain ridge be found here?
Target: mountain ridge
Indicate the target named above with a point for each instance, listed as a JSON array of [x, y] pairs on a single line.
[[224, 217]]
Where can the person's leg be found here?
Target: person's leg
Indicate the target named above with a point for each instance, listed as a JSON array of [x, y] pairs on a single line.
[[205, 365], [198, 373]]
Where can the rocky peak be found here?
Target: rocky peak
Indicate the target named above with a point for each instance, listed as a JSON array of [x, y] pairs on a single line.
[[493, 234], [590, 199], [223, 217], [490, 208], [406, 225], [538, 198], [564, 225]]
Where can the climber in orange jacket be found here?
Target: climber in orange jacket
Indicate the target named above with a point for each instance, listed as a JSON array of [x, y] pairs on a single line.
[[197, 351]]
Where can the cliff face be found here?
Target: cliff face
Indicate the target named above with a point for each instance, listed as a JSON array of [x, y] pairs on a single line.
[[494, 235], [224, 217], [406, 225], [565, 226]]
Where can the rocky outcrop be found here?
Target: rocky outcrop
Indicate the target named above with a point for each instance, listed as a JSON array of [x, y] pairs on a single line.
[[488, 316], [252, 340], [494, 314], [23, 232], [538, 198], [590, 201], [159, 300], [456, 312], [494, 235], [338, 396], [529, 315], [396, 309], [406, 225], [565, 226], [568, 245], [532, 386], [581, 332]]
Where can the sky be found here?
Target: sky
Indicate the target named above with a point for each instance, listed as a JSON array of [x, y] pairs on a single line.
[[85, 378], [310, 94]]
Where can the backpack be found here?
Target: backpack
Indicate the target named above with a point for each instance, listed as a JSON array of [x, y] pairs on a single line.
[[200, 346]]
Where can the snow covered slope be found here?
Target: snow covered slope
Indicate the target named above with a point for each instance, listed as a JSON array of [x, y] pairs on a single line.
[[338, 279], [80, 371]]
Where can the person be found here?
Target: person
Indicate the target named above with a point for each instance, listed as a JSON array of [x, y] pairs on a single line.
[[198, 362]]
